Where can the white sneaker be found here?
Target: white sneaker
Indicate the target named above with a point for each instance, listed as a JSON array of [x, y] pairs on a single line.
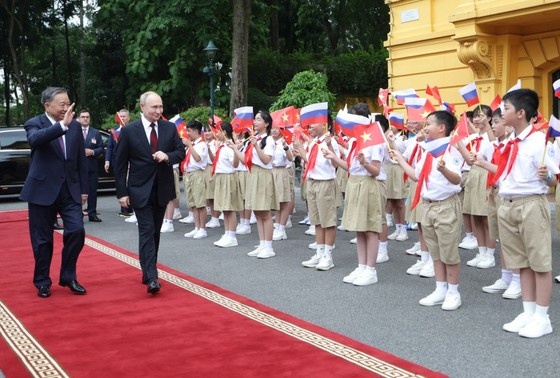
[[243, 229], [468, 243], [325, 263], [428, 270], [304, 222], [434, 299], [340, 228], [389, 219], [289, 223], [213, 223], [253, 219], [167, 227], [352, 276], [487, 261], [354, 241], [221, 217], [402, 236], [312, 262], [279, 235], [413, 226], [266, 253], [189, 219], [366, 277], [226, 242], [513, 291], [131, 219], [474, 262], [394, 235], [497, 287], [536, 327], [382, 257], [201, 234], [412, 250], [452, 301], [519, 322], [177, 214], [220, 241], [310, 230], [255, 252], [191, 234], [313, 245], [415, 269], [557, 279]]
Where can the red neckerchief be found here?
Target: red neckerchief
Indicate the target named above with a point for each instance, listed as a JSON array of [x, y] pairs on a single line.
[[508, 156]]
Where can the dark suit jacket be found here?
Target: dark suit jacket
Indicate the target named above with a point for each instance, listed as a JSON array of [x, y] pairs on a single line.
[[93, 141], [144, 172], [48, 169], [111, 152]]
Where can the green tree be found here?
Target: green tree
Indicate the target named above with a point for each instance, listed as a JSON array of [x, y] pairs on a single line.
[[306, 88]]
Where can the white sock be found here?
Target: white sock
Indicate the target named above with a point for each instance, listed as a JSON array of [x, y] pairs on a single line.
[[516, 277], [424, 256], [231, 234], [328, 250], [441, 286], [490, 251], [507, 275], [281, 228], [529, 307], [469, 235], [362, 266], [398, 227], [541, 311], [320, 249], [261, 243], [453, 288], [383, 246], [482, 250], [268, 244]]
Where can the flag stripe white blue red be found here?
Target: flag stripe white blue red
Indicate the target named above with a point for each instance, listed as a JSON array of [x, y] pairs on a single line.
[[314, 113], [470, 94], [404, 93], [348, 122], [178, 121], [556, 86], [245, 112], [437, 147], [396, 120], [553, 127], [415, 102]]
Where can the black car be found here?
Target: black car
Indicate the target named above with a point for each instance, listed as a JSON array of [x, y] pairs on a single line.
[[14, 161]]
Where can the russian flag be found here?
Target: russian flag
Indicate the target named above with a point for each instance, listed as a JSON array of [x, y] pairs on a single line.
[[314, 113], [470, 94], [180, 124], [418, 108], [437, 147], [243, 119], [396, 120], [402, 94], [448, 107], [556, 86], [553, 127], [348, 122]]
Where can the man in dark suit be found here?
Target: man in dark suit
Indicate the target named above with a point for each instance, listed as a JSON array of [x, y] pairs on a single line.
[[150, 146], [122, 118], [56, 183], [94, 149]]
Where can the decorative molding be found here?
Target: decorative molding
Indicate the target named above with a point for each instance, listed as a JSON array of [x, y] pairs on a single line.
[[478, 54]]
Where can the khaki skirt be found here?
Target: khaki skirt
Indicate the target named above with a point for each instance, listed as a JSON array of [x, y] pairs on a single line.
[[209, 182], [411, 215], [282, 186], [396, 188], [260, 194], [227, 192], [362, 205], [475, 201]]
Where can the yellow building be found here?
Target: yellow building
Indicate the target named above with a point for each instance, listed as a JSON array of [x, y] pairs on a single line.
[[450, 43]]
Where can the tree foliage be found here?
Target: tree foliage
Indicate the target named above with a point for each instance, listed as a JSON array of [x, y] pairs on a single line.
[[305, 88]]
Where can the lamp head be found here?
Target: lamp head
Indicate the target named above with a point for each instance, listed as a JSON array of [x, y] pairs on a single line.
[[211, 51]]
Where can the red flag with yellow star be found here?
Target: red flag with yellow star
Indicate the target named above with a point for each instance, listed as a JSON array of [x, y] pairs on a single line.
[[283, 117], [368, 135]]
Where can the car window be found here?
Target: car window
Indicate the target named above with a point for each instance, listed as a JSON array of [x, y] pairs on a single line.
[[13, 140]]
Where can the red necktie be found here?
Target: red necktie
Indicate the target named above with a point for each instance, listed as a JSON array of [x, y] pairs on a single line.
[[416, 151], [153, 138], [422, 178], [215, 162], [496, 157], [311, 161]]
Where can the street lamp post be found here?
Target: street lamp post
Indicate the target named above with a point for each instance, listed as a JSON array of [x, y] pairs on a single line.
[[211, 50]]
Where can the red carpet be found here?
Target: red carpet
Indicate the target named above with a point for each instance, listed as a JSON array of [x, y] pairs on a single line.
[[191, 329]]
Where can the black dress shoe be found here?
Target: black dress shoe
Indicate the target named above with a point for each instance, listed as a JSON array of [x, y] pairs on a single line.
[[94, 218], [153, 286], [44, 291], [58, 226], [74, 287]]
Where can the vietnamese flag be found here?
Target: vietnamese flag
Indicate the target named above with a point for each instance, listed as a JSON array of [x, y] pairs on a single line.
[[418, 108], [119, 120], [287, 134], [495, 104], [461, 131], [434, 92], [368, 135], [382, 97], [283, 117]]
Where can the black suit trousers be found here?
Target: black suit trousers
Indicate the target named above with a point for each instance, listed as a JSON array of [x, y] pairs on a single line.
[[41, 220], [150, 219]]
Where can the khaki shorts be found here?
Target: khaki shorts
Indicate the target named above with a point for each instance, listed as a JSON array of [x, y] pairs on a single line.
[[322, 201], [441, 225], [195, 189], [525, 233]]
